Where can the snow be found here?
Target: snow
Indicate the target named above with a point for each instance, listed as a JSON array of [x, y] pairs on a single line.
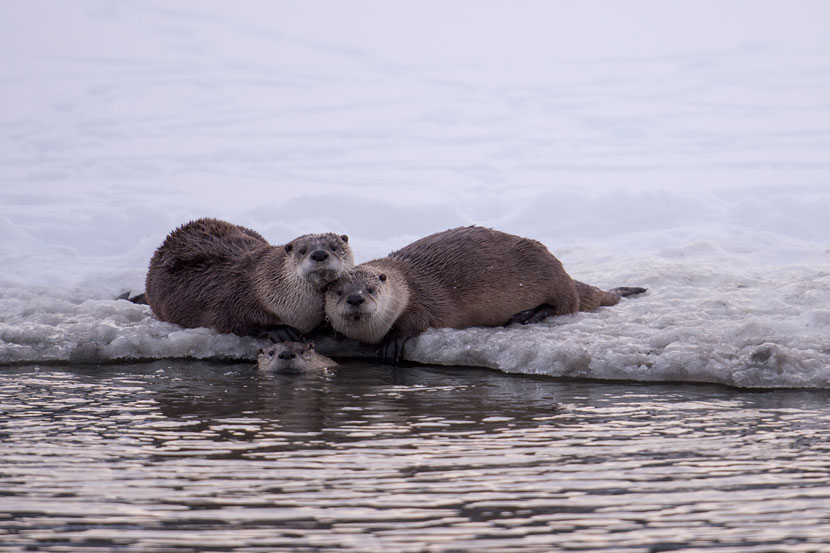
[[678, 146]]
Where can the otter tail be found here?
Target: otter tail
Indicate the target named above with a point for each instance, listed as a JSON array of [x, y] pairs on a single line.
[[591, 297]]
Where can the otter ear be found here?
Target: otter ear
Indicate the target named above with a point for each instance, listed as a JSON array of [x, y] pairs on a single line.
[[344, 238], [310, 345], [382, 277], [261, 351], [288, 248]]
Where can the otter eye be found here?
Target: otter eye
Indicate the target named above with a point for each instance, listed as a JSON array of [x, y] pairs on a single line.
[[333, 247], [288, 248], [303, 250], [270, 354], [371, 289]]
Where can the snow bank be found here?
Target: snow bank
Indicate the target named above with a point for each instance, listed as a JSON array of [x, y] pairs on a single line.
[[40, 326], [700, 322]]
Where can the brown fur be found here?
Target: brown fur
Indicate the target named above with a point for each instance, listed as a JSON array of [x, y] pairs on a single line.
[[458, 278], [592, 298], [210, 273], [292, 357]]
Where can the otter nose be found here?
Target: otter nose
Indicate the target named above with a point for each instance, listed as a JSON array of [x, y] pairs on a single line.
[[287, 355], [319, 255], [355, 299]]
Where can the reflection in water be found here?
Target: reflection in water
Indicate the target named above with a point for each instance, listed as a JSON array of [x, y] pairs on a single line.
[[203, 457]]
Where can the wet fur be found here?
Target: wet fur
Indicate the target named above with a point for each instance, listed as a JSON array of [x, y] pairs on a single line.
[[210, 273], [303, 358]]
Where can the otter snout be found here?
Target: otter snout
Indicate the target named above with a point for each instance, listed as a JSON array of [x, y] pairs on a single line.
[[355, 300], [321, 267], [286, 355], [319, 255]]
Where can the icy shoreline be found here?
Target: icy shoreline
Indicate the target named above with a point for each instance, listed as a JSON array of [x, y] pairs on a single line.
[[742, 329]]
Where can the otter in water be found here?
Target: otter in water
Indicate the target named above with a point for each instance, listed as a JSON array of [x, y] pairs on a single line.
[[292, 357], [210, 273], [469, 276]]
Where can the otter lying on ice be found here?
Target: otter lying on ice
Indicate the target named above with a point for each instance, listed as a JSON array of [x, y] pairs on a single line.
[[469, 276], [210, 273]]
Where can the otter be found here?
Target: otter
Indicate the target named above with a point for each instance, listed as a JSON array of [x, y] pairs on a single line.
[[462, 277], [292, 357], [211, 273]]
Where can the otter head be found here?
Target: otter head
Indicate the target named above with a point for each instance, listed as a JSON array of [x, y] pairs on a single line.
[[286, 357], [365, 303], [320, 258]]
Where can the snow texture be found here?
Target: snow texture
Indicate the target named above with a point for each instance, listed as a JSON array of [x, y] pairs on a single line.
[[679, 146]]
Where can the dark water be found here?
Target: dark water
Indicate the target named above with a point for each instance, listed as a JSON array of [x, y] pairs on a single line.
[[205, 457]]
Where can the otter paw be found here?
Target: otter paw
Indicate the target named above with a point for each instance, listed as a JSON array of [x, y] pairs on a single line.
[[532, 316], [392, 349], [521, 317]]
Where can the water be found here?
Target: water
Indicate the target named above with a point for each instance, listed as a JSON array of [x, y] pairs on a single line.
[[196, 456]]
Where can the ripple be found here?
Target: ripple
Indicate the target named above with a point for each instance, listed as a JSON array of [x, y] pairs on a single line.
[[207, 457]]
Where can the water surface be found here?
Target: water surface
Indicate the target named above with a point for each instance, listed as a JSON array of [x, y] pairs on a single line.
[[194, 456]]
